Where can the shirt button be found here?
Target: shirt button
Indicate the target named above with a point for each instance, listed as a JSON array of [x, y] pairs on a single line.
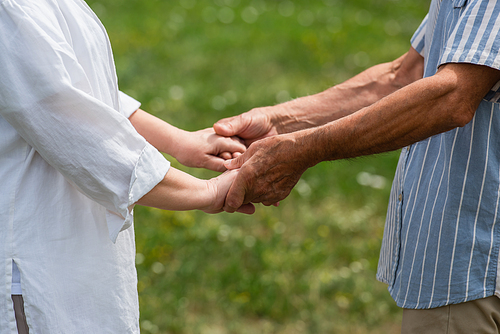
[[400, 197]]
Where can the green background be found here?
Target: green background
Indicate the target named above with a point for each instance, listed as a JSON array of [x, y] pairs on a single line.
[[309, 265]]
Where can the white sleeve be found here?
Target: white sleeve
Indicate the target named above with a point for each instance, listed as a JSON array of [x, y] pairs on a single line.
[[45, 96], [128, 105]]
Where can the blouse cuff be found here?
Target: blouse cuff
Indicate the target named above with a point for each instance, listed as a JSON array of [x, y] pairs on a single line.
[[128, 105], [150, 170]]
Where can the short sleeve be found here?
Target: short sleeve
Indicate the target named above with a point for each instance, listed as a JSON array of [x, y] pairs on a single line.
[[475, 38], [418, 39]]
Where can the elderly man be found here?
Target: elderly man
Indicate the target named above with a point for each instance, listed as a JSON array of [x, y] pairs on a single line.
[[438, 102]]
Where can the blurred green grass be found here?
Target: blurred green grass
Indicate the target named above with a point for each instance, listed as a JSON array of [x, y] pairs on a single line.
[[305, 267]]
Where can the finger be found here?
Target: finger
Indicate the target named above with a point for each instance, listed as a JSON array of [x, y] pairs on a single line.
[[235, 163], [235, 196], [238, 139], [248, 209], [215, 163], [236, 154], [269, 198], [273, 204], [226, 144], [231, 126], [226, 155]]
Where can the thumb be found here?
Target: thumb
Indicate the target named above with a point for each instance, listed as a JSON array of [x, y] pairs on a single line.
[[248, 209], [215, 163], [231, 126], [235, 163]]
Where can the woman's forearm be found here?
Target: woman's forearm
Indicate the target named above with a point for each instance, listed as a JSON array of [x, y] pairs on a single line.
[[157, 132], [179, 191]]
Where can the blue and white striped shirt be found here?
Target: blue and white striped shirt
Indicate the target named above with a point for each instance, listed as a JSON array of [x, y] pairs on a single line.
[[441, 239]]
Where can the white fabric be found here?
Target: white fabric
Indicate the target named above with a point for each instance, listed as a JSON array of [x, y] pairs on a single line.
[[71, 168], [16, 280]]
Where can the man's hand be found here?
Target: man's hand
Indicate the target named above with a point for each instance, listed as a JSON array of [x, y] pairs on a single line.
[[206, 149], [250, 126], [324, 126], [269, 169]]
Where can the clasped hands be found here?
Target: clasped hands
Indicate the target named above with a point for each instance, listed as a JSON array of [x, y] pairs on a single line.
[[268, 169], [263, 164]]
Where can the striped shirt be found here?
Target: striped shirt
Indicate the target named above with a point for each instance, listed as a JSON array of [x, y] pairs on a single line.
[[441, 239]]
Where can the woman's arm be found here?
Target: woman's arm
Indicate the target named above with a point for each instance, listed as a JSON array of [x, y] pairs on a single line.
[[203, 149], [180, 191]]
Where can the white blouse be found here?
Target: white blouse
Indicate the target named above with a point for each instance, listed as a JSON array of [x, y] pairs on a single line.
[[71, 168]]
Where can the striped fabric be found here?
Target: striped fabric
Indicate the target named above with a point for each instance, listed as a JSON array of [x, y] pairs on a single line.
[[441, 240]]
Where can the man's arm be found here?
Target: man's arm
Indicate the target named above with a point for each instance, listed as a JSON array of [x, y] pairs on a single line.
[[272, 166], [339, 101], [201, 148]]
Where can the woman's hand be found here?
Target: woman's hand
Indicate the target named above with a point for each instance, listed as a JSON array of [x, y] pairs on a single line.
[[201, 149], [218, 188], [206, 149], [179, 191]]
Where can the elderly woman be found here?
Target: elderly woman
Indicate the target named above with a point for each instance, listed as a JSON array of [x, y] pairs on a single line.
[[76, 155]]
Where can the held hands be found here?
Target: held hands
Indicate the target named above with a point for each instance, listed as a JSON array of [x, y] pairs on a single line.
[[217, 189], [180, 191], [202, 148], [252, 182], [268, 171], [273, 162], [216, 147], [206, 149], [250, 126]]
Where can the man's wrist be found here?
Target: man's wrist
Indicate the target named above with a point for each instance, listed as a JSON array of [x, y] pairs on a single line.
[[302, 113], [309, 151]]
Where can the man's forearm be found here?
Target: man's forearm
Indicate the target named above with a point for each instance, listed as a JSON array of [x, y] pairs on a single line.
[[350, 96], [418, 111], [273, 165]]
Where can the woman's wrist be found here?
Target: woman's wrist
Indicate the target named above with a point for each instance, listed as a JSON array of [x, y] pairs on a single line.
[[179, 191], [179, 143]]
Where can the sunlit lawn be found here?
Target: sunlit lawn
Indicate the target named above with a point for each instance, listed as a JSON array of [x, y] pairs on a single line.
[[305, 267]]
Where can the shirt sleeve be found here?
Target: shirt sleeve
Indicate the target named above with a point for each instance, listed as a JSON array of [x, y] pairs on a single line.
[[418, 38], [45, 96], [128, 105], [475, 38]]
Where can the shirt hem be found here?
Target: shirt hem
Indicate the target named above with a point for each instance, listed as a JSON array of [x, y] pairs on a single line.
[[441, 303]]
